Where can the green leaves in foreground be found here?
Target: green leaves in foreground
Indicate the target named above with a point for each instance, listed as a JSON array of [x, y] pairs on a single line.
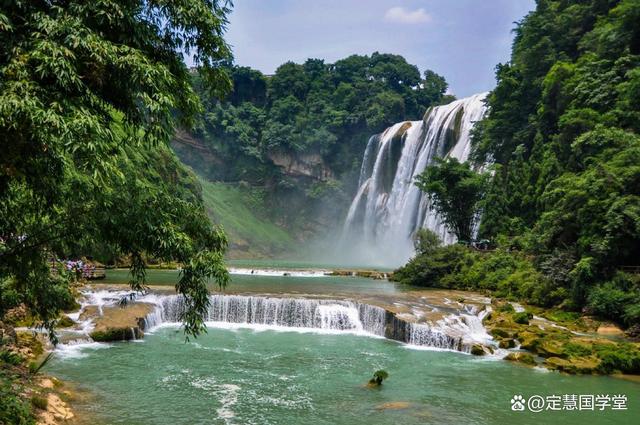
[[90, 93]]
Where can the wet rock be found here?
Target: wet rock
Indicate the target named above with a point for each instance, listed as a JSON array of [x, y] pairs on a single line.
[[521, 357], [507, 343], [572, 366], [550, 348], [7, 334], [503, 333], [609, 329], [65, 322], [477, 350]]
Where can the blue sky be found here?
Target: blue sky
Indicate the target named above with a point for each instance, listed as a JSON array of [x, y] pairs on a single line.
[[462, 40]]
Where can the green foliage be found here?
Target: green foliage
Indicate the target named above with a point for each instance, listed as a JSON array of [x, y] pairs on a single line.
[[90, 94], [315, 114], [39, 402], [617, 300], [455, 191], [431, 268], [563, 136], [378, 377], [14, 409], [522, 317], [506, 308], [237, 209], [10, 357], [426, 241], [623, 358]]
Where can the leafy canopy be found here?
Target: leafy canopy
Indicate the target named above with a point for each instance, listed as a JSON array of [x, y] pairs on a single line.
[[455, 192], [89, 94]]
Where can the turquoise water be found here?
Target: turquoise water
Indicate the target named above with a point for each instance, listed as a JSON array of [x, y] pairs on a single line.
[[337, 285], [245, 376]]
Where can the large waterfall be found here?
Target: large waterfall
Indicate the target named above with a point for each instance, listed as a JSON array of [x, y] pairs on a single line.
[[388, 208]]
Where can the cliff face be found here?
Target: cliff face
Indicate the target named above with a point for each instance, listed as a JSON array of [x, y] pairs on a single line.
[[195, 153], [310, 165]]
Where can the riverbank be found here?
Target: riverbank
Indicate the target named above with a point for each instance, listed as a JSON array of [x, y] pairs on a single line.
[[561, 341], [27, 395]]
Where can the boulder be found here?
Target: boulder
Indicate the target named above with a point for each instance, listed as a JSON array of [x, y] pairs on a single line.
[[572, 365], [121, 323], [478, 350], [507, 343], [521, 357]]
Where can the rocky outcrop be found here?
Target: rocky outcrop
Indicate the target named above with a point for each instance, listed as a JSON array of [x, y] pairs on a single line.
[[302, 165], [569, 347], [120, 323]]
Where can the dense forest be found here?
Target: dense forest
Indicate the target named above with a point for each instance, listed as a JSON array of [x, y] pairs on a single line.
[[298, 135], [563, 205]]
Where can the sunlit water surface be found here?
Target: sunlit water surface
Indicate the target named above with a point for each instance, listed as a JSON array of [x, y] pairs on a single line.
[[244, 376]]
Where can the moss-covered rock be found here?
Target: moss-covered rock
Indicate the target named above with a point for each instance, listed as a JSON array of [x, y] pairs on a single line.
[[65, 322], [116, 334], [581, 365], [477, 350], [121, 323], [507, 343], [521, 357]]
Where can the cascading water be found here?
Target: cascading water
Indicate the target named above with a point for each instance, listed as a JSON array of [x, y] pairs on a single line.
[[278, 312], [453, 333], [388, 207]]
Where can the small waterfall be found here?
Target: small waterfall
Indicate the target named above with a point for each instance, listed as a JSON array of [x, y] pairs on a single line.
[[388, 208], [451, 333], [282, 312], [425, 335]]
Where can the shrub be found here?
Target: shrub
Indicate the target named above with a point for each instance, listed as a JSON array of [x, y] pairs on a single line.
[[378, 377], [614, 302], [13, 409], [426, 241], [618, 357], [522, 318], [430, 269], [39, 402]]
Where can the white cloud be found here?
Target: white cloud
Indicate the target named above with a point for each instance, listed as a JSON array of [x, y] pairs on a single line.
[[404, 16]]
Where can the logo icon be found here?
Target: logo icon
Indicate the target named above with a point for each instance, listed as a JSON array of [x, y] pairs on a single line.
[[517, 403]]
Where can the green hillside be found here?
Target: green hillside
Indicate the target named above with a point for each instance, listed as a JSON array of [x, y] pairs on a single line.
[[235, 209]]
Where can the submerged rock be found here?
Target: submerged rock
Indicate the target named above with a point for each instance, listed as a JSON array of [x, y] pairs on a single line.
[[394, 405]]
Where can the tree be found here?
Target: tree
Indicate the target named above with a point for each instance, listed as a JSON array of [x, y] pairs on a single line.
[[455, 191], [426, 241], [89, 92]]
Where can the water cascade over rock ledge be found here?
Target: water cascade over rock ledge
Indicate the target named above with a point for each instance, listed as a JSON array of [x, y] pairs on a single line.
[[454, 332]]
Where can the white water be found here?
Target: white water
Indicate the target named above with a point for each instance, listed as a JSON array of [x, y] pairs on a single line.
[[278, 272], [388, 208], [455, 332]]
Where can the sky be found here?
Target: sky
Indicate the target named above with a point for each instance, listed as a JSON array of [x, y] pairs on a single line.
[[462, 40]]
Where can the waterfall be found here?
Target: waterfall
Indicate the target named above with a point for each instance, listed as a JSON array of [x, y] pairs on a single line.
[[388, 208], [278, 312], [455, 332]]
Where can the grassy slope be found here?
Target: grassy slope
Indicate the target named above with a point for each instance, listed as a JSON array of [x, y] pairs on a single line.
[[249, 235]]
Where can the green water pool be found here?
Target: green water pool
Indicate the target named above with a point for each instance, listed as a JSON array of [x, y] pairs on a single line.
[[244, 376], [323, 285]]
